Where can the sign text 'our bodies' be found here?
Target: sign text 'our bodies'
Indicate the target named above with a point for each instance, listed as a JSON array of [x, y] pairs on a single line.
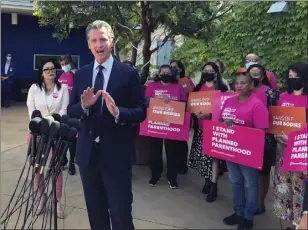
[[285, 121], [165, 111]]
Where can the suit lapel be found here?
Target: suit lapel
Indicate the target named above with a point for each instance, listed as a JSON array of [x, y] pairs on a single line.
[[89, 77], [113, 81]]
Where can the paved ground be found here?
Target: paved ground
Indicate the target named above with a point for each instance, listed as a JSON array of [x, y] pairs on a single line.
[[153, 208]]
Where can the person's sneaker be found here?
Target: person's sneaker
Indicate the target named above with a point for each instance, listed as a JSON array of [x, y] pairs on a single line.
[[233, 220], [173, 184], [245, 225], [153, 182]]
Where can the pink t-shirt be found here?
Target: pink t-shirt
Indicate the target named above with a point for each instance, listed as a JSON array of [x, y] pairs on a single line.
[[251, 113], [204, 87], [291, 100], [175, 92], [261, 93], [67, 79]]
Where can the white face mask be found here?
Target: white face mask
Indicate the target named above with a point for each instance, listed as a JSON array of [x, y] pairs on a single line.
[[8, 58], [66, 68]]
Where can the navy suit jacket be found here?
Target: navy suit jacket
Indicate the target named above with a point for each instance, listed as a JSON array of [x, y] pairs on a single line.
[[117, 143], [10, 73]]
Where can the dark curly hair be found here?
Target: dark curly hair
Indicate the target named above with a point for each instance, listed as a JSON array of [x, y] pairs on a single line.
[[40, 80]]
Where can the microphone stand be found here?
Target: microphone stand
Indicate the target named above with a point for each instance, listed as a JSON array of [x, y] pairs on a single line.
[[55, 201]]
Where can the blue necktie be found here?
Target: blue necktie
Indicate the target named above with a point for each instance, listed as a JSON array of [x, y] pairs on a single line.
[[98, 85]]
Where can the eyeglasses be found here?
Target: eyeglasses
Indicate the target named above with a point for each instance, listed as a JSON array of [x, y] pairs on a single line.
[[49, 70]]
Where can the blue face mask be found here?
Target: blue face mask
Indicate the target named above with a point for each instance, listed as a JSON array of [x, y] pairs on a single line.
[[248, 64], [66, 68]]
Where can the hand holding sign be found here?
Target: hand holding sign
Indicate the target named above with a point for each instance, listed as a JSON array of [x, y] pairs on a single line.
[[165, 98]]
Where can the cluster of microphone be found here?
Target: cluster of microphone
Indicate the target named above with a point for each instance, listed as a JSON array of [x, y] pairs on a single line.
[[54, 133]]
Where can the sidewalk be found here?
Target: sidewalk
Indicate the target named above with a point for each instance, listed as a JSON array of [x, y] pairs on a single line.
[[153, 208]]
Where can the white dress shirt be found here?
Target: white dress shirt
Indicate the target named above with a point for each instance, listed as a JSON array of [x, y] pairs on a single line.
[[6, 67], [106, 72]]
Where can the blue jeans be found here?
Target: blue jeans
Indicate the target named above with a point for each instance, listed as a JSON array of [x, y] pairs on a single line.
[[242, 176]]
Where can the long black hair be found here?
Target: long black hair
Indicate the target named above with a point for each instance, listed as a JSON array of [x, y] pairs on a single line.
[[262, 69], [301, 68], [219, 85], [180, 66], [174, 74], [40, 79]]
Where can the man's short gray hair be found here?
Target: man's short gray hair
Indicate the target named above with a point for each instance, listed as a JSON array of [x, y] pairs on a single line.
[[97, 25]]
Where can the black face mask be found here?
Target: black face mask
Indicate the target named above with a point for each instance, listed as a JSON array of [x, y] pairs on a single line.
[[166, 78], [295, 83], [256, 81], [208, 76]]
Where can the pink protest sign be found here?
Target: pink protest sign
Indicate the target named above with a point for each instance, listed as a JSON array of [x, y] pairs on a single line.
[[218, 101], [296, 153], [237, 144], [166, 130]]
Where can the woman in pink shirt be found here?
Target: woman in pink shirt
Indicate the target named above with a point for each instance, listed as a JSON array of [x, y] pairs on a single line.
[[264, 91], [245, 109], [288, 186], [67, 78], [165, 86], [207, 166]]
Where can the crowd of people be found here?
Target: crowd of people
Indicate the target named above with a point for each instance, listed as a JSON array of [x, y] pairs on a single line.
[[55, 92]]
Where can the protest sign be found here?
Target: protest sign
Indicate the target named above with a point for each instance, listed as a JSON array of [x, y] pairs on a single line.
[[286, 119], [296, 153], [166, 130], [172, 112], [237, 144]]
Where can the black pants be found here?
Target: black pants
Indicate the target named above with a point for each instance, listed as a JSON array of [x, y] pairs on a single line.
[[72, 149], [182, 155], [156, 158], [108, 195]]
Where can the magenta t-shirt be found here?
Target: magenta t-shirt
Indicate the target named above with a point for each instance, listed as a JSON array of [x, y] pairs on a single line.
[[175, 92], [251, 113], [204, 87], [291, 100], [67, 79], [261, 93]]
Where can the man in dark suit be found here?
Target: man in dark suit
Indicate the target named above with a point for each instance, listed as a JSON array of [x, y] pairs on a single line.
[[107, 97], [7, 79]]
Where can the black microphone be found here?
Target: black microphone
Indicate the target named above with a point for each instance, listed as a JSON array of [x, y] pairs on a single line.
[[71, 135], [52, 136], [35, 128], [74, 122], [63, 136], [64, 119], [57, 117], [36, 113], [35, 125], [45, 124]]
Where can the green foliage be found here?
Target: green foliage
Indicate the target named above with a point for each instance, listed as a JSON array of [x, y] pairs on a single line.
[[279, 39]]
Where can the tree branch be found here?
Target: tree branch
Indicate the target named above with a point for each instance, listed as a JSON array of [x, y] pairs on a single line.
[[163, 43], [219, 16]]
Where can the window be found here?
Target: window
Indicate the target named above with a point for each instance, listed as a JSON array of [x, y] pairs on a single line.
[[164, 52], [40, 58]]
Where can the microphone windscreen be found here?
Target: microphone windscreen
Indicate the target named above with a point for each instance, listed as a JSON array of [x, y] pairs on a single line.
[[45, 124], [57, 117], [74, 122], [35, 125], [72, 134], [54, 129], [64, 119], [63, 131], [36, 113]]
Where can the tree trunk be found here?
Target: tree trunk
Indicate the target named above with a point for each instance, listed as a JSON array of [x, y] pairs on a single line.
[[146, 56], [134, 52]]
